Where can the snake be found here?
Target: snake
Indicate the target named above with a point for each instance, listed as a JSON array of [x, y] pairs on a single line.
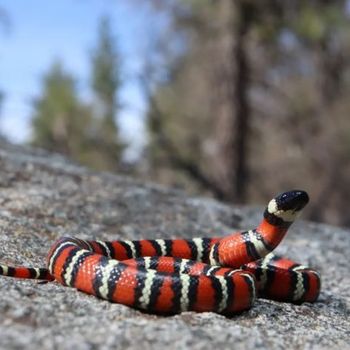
[[168, 276]]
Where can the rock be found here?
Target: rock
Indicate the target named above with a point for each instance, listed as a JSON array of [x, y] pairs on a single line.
[[44, 196]]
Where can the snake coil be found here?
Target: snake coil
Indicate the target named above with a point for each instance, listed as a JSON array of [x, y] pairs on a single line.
[[223, 275]]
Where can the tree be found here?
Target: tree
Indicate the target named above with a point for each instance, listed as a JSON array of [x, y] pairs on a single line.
[[105, 84], [217, 64], [87, 132], [255, 100], [60, 121]]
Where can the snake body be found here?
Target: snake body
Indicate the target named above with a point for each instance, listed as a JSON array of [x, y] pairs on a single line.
[[223, 275]]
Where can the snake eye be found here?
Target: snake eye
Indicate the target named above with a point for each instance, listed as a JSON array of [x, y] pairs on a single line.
[[292, 200]]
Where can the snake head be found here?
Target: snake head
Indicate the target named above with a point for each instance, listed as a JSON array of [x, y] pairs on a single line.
[[286, 206]]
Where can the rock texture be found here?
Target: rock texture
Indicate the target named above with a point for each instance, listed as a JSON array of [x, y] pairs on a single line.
[[44, 196]]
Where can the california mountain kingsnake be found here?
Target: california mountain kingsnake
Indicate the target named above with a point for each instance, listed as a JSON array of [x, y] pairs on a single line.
[[223, 275]]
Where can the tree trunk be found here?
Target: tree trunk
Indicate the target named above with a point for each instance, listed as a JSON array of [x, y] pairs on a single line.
[[230, 104]]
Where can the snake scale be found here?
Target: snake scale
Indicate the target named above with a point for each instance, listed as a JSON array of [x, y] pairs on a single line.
[[223, 275]]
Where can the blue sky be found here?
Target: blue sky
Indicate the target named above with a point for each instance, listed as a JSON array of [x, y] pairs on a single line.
[[42, 31]]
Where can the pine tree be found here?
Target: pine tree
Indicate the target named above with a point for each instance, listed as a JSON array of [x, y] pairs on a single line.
[[105, 85], [60, 121], [255, 102], [63, 123]]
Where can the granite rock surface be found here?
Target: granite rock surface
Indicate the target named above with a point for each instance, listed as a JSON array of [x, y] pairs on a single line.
[[44, 196]]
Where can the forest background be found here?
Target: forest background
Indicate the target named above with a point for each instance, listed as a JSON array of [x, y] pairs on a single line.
[[243, 99]]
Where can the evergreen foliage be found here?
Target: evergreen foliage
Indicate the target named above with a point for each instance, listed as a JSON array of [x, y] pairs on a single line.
[[285, 63], [60, 121], [106, 83], [86, 132]]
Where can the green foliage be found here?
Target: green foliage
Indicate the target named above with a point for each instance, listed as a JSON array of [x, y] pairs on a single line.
[[85, 132], [105, 84], [60, 120], [315, 23], [105, 65], [105, 70], [298, 87]]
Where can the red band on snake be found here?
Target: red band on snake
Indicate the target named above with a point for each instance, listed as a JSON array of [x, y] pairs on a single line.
[[223, 275]]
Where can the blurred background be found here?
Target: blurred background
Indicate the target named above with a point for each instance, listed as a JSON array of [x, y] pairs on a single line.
[[234, 99]]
